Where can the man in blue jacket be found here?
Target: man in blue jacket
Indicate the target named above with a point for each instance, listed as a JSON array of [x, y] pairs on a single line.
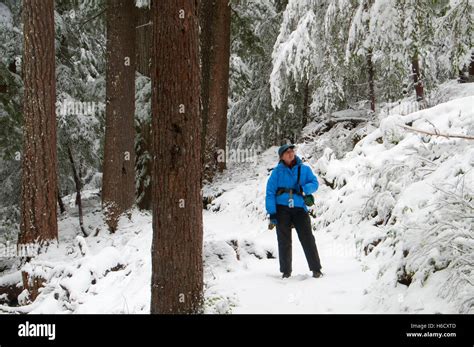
[[285, 203]]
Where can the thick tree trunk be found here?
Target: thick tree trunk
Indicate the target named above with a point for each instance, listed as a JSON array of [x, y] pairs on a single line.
[[143, 41], [220, 89], [206, 18], [144, 44], [417, 80], [39, 177], [118, 190], [217, 26], [177, 265]]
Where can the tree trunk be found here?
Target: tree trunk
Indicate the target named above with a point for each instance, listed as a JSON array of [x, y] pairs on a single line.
[[78, 184], [369, 56], [62, 208], [144, 31], [371, 73], [177, 265], [417, 80], [143, 42], [305, 115], [39, 165], [144, 167], [206, 16], [463, 75], [216, 54], [32, 284], [471, 65], [118, 190]]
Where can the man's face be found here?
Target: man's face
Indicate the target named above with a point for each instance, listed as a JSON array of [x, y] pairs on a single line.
[[288, 156]]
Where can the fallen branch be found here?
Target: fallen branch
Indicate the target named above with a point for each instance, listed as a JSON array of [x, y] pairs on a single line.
[[448, 136]]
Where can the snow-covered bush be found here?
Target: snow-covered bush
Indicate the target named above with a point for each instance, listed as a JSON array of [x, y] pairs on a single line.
[[409, 200], [392, 131]]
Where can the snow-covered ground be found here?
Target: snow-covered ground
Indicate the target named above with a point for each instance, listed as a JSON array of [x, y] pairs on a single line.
[[111, 273], [393, 225], [236, 224]]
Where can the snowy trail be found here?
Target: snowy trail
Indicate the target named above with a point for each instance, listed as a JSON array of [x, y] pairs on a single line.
[[257, 286]]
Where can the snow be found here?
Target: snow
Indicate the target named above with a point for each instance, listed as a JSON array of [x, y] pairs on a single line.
[[143, 3], [255, 285], [111, 276], [393, 227], [9, 279], [393, 197], [6, 19], [111, 273], [295, 49]]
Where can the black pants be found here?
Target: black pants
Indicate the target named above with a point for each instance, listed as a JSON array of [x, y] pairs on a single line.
[[298, 217]]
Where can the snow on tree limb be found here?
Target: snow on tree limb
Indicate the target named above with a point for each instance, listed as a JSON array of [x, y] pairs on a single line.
[[448, 136]]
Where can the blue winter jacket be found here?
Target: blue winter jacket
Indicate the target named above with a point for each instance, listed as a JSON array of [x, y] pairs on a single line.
[[285, 177]]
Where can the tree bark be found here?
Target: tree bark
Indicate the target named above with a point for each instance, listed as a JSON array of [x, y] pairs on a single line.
[[39, 165], [143, 42], [216, 55], [305, 115], [206, 17], [144, 167], [371, 73], [471, 65], [370, 63], [417, 80], [118, 190], [62, 208], [177, 265], [78, 184]]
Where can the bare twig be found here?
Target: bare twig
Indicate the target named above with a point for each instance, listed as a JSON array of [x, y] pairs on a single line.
[[144, 25], [448, 136], [92, 18]]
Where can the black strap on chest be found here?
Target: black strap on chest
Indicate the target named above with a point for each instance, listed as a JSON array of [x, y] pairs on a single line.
[[282, 190]]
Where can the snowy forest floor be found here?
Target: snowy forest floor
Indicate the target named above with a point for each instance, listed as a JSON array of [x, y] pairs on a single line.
[[255, 282], [381, 227], [111, 273]]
